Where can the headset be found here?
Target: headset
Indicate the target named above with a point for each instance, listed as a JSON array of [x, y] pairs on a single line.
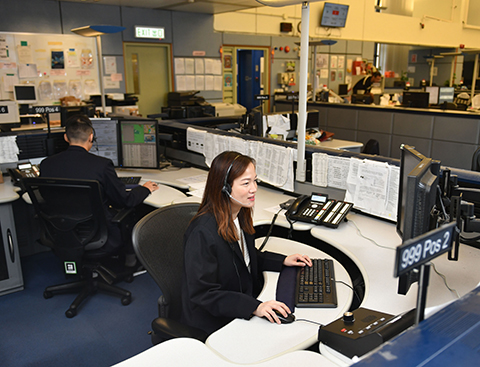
[[227, 190]]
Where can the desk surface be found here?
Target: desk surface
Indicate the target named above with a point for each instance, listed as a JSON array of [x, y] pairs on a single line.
[[374, 262], [353, 146], [264, 340], [8, 192]]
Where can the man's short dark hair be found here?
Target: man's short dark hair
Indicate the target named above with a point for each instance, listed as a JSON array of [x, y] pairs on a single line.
[[376, 74], [78, 128]]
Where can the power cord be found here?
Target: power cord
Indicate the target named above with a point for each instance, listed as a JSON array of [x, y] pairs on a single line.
[[444, 280], [353, 289], [367, 238], [309, 321], [269, 231]]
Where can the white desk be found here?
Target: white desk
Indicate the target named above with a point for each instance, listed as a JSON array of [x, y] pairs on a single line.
[[352, 146], [182, 352], [264, 340]]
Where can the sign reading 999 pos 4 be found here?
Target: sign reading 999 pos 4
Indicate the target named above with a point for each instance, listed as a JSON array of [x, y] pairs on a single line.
[[419, 250]]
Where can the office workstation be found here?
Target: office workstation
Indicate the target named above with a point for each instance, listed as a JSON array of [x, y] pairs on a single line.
[[209, 48]]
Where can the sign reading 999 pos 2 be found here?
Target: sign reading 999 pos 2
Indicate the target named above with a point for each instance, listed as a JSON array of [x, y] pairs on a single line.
[[420, 250]]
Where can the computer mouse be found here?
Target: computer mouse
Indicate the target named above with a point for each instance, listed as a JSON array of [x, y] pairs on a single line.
[[285, 320]]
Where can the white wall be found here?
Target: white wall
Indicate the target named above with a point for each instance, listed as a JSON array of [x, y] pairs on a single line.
[[364, 23]]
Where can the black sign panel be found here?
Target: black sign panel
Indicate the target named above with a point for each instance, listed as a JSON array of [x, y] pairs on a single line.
[[45, 109], [262, 97], [419, 250], [291, 97], [3, 109]]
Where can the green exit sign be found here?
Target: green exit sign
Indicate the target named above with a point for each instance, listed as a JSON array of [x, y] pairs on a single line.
[[149, 32]]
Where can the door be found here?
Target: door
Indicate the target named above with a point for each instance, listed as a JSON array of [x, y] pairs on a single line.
[[148, 75], [249, 77]]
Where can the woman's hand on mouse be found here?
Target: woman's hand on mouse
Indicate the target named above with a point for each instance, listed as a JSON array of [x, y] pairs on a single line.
[[297, 260], [267, 310]]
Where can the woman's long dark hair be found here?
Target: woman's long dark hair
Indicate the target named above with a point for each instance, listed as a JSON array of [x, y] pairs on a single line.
[[217, 202]]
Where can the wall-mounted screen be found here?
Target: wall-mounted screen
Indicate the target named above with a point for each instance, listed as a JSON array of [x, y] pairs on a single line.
[[334, 15], [25, 93]]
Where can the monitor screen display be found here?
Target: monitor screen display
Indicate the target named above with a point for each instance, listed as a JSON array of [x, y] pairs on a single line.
[[446, 94], [415, 99], [138, 143], [433, 94], [106, 139], [25, 93], [334, 15]]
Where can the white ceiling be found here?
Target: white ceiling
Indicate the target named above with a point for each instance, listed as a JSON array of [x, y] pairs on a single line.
[[193, 6]]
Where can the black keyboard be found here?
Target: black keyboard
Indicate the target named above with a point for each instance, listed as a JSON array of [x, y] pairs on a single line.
[[130, 180], [316, 285]]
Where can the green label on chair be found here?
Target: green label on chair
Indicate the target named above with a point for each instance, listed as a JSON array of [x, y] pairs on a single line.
[[70, 267]]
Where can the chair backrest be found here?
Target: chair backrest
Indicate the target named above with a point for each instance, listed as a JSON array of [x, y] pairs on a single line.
[[71, 214], [372, 147], [476, 161], [158, 244]]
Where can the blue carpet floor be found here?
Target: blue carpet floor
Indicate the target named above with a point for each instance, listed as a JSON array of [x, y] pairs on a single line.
[[35, 331]]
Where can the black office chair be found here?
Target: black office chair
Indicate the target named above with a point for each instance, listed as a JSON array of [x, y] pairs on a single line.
[[73, 224], [158, 243], [372, 147], [476, 161]]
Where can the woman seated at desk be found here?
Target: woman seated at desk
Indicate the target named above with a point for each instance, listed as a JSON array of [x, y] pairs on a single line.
[[223, 268]]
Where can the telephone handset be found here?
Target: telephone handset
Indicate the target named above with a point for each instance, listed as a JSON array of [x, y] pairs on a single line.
[[318, 209], [23, 170]]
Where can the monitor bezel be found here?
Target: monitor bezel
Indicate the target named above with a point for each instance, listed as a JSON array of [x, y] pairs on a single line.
[[325, 5], [120, 143], [25, 101]]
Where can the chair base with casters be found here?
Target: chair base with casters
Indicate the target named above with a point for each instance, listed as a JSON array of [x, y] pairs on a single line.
[[89, 285], [73, 223]]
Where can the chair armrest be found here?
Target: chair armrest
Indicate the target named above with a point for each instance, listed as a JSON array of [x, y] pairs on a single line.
[[169, 329], [121, 215]]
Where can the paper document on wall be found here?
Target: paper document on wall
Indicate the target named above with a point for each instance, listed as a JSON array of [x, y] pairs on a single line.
[[319, 169], [238, 145], [8, 149], [392, 193], [352, 180], [276, 165], [337, 171], [372, 183], [196, 140]]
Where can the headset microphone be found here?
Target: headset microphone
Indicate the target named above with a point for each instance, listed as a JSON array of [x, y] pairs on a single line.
[[231, 197]]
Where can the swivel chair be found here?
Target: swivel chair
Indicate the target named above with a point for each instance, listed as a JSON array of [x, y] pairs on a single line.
[[158, 244], [372, 147], [476, 161], [73, 224]]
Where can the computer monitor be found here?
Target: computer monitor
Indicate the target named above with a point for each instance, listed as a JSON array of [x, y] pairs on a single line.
[[106, 139], [25, 93], [419, 179], [415, 99], [343, 89], [433, 95], [446, 94], [138, 142], [334, 15]]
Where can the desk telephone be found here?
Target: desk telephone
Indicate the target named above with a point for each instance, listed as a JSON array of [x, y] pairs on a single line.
[[23, 170], [318, 209]]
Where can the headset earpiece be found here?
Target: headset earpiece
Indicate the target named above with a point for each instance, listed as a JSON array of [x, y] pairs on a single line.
[[227, 188]]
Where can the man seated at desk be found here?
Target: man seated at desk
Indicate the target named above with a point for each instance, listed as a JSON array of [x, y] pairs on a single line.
[[365, 84], [77, 163]]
